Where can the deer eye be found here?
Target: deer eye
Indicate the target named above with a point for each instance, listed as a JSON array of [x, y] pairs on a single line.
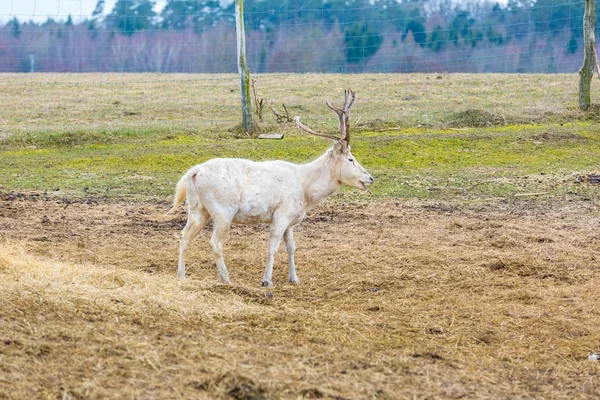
[[351, 159]]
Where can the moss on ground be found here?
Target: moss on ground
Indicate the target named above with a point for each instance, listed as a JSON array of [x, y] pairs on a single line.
[[460, 137], [438, 164]]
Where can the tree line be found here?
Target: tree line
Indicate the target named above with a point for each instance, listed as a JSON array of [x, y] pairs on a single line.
[[305, 36]]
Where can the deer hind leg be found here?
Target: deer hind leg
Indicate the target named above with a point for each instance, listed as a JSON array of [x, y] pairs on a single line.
[[197, 218], [290, 247], [277, 230], [220, 229]]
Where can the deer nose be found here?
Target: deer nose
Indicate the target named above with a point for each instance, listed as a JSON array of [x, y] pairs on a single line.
[[372, 179]]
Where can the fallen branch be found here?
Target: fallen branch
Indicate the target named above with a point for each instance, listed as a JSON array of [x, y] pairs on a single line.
[[270, 136], [529, 194], [389, 129], [282, 118]]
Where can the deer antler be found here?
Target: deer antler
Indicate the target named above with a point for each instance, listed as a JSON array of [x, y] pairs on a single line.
[[308, 130], [343, 115]]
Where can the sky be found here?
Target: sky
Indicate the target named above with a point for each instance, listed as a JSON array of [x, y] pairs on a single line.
[[40, 10]]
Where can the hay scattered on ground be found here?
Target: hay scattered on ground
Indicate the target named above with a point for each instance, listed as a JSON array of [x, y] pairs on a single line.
[[407, 299]]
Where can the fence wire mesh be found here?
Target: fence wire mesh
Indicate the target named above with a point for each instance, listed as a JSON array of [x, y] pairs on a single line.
[[135, 46], [198, 36]]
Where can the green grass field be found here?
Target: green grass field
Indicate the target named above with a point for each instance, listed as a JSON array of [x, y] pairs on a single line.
[[423, 136]]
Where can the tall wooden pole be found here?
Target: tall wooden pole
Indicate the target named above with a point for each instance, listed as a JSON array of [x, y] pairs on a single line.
[[586, 72], [242, 66]]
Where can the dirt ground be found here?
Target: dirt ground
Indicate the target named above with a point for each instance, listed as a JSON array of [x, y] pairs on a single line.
[[404, 299]]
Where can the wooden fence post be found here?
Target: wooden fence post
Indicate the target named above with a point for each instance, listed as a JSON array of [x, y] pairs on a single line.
[[243, 67], [586, 72]]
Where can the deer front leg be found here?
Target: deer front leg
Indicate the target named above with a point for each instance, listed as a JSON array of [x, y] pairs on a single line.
[[277, 230], [290, 247]]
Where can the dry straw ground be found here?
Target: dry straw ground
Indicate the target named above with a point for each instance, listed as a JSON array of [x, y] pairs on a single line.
[[449, 282], [403, 299], [106, 105]]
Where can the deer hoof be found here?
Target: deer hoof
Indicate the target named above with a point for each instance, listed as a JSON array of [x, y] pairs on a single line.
[[294, 281], [267, 284]]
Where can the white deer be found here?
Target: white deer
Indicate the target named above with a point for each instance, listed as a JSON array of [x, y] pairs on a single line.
[[230, 190]]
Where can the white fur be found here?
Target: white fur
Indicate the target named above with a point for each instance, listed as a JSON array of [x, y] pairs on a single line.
[[230, 190], [248, 192]]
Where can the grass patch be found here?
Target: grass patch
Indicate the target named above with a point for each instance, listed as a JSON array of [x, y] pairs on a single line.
[[132, 136], [85, 105], [475, 118], [434, 164]]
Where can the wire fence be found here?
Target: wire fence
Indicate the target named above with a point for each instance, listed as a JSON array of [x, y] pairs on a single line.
[[296, 36], [136, 46]]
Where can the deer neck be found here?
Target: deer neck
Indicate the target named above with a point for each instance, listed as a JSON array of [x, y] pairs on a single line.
[[320, 178]]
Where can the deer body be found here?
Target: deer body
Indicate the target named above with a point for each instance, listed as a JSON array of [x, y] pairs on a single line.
[[253, 192], [276, 192]]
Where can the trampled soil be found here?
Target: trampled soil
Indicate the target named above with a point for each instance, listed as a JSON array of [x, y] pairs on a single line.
[[398, 299]]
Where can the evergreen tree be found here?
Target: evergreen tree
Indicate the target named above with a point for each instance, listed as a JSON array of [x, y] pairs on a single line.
[[99, 10], [418, 31], [361, 40], [463, 27], [493, 23], [191, 14], [438, 39], [15, 27], [573, 45], [97, 16], [130, 16]]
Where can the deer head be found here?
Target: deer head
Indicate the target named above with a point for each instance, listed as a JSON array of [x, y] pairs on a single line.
[[351, 173]]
